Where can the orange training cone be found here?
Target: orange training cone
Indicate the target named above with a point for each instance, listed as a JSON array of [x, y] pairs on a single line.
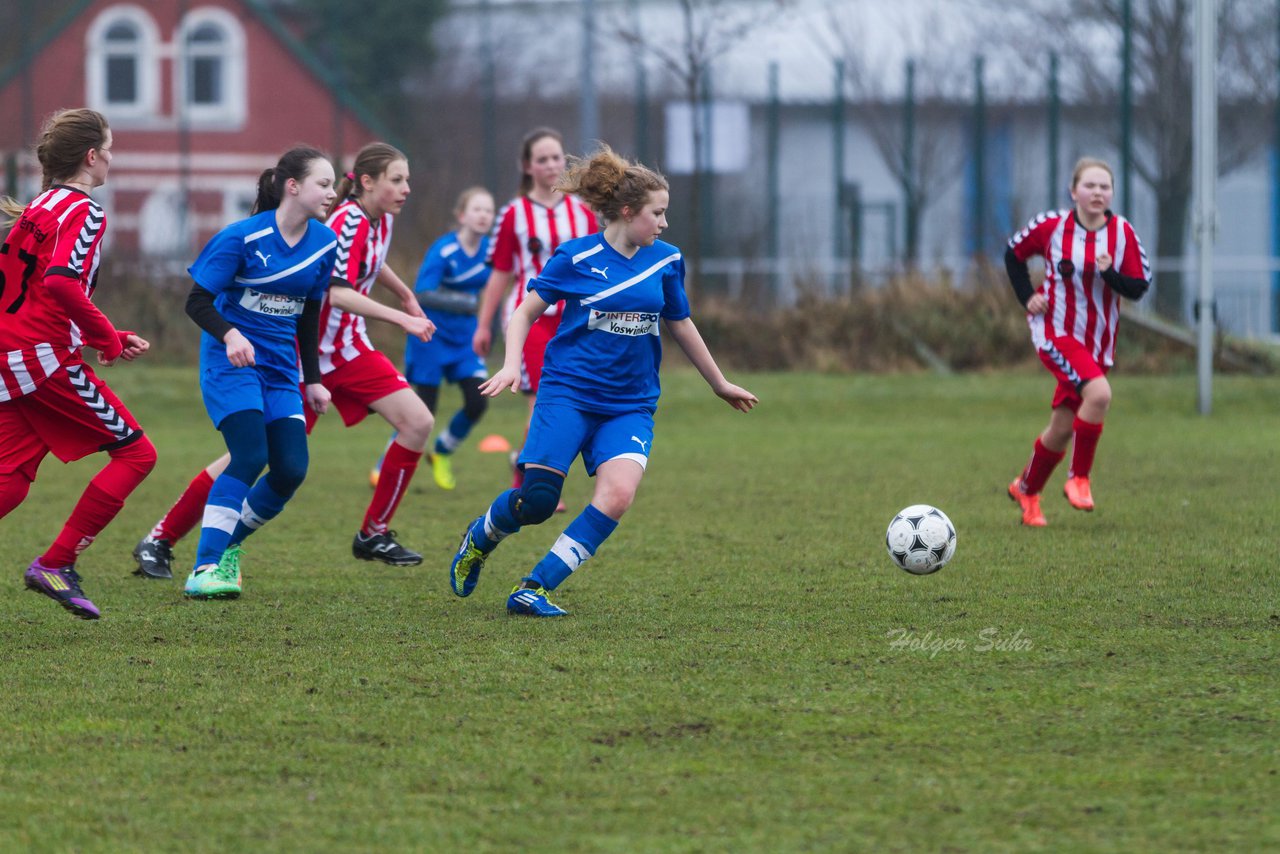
[[494, 444]]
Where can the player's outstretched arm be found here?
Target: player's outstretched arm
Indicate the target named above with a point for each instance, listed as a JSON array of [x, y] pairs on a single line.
[[495, 290], [347, 298], [690, 341], [388, 278], [517, 332]]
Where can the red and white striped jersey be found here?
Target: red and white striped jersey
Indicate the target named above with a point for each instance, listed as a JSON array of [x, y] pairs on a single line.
[[525, 235], [362, 250], [60, 233], [1081, 305]]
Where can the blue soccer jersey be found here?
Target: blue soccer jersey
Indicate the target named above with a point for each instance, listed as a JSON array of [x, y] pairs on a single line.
[[447, 267], [606, 354], [261, 285]]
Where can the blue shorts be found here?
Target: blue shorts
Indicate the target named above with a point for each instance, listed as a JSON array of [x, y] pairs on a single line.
[[558, 433], [227, 389], [426, 363]]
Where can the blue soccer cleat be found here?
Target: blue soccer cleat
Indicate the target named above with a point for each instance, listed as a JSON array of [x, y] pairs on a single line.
[[533, 603], [467, 563]]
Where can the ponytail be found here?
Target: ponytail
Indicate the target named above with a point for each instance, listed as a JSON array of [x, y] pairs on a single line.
[[294, 163], [608, 182], [67, 136]]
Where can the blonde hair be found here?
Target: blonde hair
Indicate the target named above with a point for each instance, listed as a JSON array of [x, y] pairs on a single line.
[[1090, 163], [67, 136], [608, 182], [465, 197]]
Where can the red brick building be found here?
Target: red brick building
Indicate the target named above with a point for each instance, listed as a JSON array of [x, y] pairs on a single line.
[[202, 95]]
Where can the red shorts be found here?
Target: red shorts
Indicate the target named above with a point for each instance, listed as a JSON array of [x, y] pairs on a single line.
[[72, 413], [535, 348], [1073, 365], [364, 380]]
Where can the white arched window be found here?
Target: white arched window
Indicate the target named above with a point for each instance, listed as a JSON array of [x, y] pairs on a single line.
[[121, 68], [210, 85]]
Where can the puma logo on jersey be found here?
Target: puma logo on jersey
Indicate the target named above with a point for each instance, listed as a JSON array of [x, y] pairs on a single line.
[[263, 257], [604, 274], [643, 444]]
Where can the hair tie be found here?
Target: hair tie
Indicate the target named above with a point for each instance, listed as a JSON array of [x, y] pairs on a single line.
[[351, 176]]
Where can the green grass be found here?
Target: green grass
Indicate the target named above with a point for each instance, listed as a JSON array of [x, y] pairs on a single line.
[[727, 681]]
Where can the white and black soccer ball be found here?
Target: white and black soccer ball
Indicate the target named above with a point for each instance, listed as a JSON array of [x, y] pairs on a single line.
[[921, 539]]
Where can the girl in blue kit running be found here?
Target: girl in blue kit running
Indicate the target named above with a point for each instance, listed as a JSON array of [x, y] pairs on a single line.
[[599, 385], [259, 285], [450, 280]]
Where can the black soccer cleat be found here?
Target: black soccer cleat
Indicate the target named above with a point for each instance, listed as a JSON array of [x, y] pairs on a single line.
[[154, 557], [383, 547]]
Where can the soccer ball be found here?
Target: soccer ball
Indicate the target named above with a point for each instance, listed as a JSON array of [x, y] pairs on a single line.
[[921, 539]]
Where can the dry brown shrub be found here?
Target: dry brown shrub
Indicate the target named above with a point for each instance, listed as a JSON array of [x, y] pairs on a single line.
[[919, 323]]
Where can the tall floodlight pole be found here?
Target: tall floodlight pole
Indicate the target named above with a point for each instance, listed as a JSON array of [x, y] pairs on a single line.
[[1204, 108], [590, 111], [1126, 105]]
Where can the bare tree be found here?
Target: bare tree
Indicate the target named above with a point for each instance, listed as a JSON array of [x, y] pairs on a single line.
[[709, 29], [915, 132], [1162, 40]]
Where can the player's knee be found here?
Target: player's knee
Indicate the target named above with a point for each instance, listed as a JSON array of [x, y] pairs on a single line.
[[289, 471], [14, 486], [613, 501], [474, 407], [247, 463], [536, 500], [139, 455], [1097, 393]]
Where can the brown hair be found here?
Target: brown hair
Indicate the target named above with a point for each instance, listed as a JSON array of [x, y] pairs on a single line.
[[294, 163], [372, 160], [609, 182], [1089, 163], [526, 153], [67, 136]]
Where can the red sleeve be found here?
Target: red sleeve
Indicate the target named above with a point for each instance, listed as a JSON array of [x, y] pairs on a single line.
[[1034, 239], [593, 224], [504, 247], [76, 240], [1134, 263], [94, 325], [353, 240]]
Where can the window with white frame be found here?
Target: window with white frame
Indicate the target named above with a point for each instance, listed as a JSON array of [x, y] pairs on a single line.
[[121, 69], [211, 69]]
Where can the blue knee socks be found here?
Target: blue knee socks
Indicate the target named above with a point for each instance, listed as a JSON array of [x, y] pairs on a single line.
[[573, 548]]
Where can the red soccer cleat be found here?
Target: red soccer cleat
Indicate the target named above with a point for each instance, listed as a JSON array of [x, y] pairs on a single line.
[[1030, 504], [1077, 492]]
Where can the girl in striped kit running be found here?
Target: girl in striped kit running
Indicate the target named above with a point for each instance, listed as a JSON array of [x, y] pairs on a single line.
[[1092, 257]]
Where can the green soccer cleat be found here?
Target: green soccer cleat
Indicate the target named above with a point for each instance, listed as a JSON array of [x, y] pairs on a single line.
[[442, 471], [216, 581]]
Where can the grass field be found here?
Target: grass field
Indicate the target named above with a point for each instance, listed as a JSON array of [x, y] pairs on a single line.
[[744, 670]]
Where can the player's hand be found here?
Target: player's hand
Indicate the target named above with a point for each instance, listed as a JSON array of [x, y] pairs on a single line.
[[134, 346], [737, 397], [1102, 261], [482, 341], [318, 398], [419, 327], [1037, 304], [239, 349], [503, 379]]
